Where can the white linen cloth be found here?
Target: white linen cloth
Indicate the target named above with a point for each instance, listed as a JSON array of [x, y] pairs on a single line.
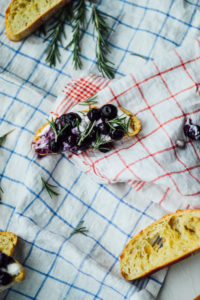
[[60, 266]]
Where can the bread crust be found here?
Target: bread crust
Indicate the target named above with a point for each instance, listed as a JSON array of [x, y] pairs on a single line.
[[187, 254], [13, 238], [35, 24]]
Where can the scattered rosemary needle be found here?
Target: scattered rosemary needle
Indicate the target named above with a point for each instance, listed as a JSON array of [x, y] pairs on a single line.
[[102, 47], [79, 20], [49, 188], [1, 191], [80, 229], [140, 55], [90, 101], [56, 32], [3, 137]]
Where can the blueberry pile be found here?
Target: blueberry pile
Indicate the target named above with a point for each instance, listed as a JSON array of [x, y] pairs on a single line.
[[75, 133], [5, 278], [191, 130]]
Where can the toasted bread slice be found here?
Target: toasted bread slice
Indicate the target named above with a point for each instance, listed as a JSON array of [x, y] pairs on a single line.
[[134, 127], [24, 16], [166, 241], [8, 241]]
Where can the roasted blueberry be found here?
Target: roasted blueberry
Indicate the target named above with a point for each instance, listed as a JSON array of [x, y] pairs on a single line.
[[5, 278], [85, 144], [55, 146], [64, 133], [191, 130], [105, 147], [72, 139], [103, 128], [117, 133], [71, 118], [5, 260], [109, 111], [94, 114]]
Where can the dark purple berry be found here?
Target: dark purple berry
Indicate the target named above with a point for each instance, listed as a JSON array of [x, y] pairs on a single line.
[[117, 133], [5, 260], [71, 118], [93, 134], [94, 114], [85, 144], [5, 278], [109, 111], [64, 134], [55, 146], [72, 139], [105, 147], [191, 130], [103, 128]]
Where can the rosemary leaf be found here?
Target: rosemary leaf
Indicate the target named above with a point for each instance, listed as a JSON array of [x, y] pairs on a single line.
[[49, 188], [86, 132], [80, 229], [56, 33], [53, 127], [3, 137], [102, 48], [59, 131], [100, 142], [79, 20], [1, 192], [140, 55], [90, 101], [122, 121]]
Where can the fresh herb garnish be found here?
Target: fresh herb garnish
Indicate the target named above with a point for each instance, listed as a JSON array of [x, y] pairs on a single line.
[[80, 229], [123, 122], [3, 137], [78, 127], [90, 101], [100, 142], [58, 131], [102, 47], [49, 188], [79, 20], [86, 132], [56, 33]]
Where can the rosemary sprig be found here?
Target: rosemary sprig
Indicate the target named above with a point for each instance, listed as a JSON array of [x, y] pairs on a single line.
[[80, 229], [56, 34], [3, 137], [49, 188], [79, 20], [56, 132], [90, 101], [123, 122], [86, 132], [102, 47]]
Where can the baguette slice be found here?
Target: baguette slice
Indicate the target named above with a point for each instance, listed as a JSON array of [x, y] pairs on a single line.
[[166, 241], [25, 16], [8, 241]]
